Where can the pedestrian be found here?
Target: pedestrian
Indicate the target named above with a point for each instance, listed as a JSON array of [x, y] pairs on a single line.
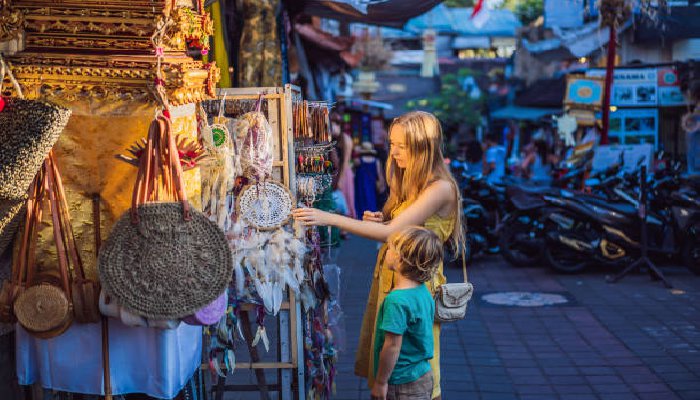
[[422, 192], [474, 155], [494, 159], [404, 333], [346, 176], [537, 164], [369, 179]]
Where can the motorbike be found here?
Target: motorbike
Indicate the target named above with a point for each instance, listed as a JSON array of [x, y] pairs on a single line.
[[521, 238], [586, 229]]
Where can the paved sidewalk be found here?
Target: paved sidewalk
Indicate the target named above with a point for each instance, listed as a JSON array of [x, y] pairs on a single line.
[[631, 340]]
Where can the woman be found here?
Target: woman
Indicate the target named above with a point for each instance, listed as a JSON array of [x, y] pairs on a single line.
[[422, 192], [369, 179], [346, 177]]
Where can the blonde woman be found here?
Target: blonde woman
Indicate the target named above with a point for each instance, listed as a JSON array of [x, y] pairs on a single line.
[[422, 192]]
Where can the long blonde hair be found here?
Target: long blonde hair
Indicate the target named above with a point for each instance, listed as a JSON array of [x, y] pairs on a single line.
[[423, 138]]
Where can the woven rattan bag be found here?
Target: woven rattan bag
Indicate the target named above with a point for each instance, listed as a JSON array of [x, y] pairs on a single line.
[[28, 130], [43, 307], [164, 260]]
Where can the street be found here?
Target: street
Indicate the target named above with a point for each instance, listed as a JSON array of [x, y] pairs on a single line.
[[630, 340]]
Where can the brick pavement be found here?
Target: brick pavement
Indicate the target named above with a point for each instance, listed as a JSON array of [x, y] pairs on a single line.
[[631, 340]]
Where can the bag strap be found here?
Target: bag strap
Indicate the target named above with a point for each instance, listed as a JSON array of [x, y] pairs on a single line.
[[67, 227], [20, 268], [175, 168], [464, 264], [58, 233], [159, 165]]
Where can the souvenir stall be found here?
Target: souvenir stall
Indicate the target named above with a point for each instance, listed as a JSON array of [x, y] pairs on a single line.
[[271, 152], [149, 216]]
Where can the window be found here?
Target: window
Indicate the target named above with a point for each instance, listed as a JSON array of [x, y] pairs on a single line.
[[634, 126]]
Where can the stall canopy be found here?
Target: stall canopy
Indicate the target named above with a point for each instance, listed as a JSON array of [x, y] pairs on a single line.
[[392, 13], [524, 113]]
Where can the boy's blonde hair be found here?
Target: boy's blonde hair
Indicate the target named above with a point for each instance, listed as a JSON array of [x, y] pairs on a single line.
[[420, 251]]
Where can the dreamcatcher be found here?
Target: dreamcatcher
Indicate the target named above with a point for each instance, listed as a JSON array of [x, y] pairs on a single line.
[[221, 168], [256, 150]]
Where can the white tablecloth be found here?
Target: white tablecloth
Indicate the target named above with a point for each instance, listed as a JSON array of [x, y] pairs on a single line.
[[142, 360]]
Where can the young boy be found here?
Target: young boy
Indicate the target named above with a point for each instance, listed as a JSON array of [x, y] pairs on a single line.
[[404, 330]]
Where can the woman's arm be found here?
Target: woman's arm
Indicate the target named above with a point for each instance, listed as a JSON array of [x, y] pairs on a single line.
[[435, 198]]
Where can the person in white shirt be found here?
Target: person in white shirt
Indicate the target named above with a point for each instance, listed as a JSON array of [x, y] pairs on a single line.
[[494, 159]]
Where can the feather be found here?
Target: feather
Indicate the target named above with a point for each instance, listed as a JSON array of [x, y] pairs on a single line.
[[265, 340]]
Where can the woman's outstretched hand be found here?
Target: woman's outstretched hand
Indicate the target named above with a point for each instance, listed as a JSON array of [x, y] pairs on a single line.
[[373, 216], [311, 216]]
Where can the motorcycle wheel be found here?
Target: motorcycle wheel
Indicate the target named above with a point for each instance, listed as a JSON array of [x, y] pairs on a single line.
[[518, 248], [690, 254], [564, 260]]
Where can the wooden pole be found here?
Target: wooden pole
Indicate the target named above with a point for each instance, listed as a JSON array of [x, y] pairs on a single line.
[[609, 73]]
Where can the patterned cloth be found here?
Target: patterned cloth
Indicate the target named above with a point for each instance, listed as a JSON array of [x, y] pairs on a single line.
[[260, 59]]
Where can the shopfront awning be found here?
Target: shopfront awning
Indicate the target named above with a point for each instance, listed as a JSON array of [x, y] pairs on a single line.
[[392, 13], [524, 113]]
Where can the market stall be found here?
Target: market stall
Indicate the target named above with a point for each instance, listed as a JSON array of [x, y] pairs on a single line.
[[153, 236]]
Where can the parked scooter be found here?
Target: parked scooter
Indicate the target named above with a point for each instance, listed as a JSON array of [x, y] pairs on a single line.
[[589, 229]]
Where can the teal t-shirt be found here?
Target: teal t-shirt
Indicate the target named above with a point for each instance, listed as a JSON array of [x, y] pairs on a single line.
[[410, 313]]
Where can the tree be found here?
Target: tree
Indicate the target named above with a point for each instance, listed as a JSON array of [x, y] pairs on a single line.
[[459, 3], [453, 106], [526, 10]]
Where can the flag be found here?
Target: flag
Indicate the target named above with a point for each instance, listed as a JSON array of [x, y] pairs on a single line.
[[480, 14]]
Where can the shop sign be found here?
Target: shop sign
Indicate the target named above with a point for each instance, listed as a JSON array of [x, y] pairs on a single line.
[[632, 155], [586, 92], [643, 87], [669, 88]]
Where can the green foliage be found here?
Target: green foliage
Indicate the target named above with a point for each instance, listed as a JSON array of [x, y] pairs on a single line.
[[527, 10], [459, 3], [452, 106]]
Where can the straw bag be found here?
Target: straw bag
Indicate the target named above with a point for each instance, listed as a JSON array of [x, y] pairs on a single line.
[[451, 299], [164, 260], [28, 130], [43, 308]]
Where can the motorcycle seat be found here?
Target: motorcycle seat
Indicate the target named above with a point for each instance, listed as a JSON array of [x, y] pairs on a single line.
[[622, 208], [526, 201]]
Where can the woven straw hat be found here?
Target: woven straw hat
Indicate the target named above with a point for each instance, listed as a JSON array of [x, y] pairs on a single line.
[[28, 131], [165, 267]]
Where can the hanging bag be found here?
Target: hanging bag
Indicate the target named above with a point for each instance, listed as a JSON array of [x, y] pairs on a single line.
[[44, 307], [28, 131], [164, 260], [451, 299]]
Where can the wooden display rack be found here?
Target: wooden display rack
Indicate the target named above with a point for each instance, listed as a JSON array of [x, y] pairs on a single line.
[[290, 365]]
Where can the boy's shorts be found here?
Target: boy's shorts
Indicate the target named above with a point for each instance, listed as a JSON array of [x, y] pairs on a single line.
[[421, 389]]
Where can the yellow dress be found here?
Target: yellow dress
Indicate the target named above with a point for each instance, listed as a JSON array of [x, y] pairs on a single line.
[[382, 283]]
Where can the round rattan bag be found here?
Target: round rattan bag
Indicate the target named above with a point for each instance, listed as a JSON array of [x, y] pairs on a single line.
[[266, 206], [44, 310], [164, 266]]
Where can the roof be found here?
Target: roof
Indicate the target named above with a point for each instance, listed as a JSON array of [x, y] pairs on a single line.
[[393, 13], [457, 21], [543, 93], [680, 23], [570, 43], [524, 113]]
